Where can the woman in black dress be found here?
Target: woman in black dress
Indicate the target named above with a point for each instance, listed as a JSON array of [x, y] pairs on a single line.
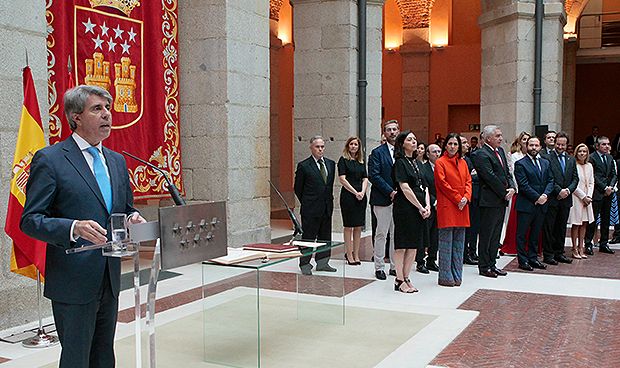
[[354, 180], [410, 211]]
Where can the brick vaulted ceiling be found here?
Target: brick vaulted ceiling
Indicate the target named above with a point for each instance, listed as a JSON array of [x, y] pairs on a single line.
[[415, 13]]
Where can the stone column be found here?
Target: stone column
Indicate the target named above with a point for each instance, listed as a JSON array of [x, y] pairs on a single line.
[[22, 27], [506, 96], [225, 110], [569, 80], [416, 54], [326, 76]]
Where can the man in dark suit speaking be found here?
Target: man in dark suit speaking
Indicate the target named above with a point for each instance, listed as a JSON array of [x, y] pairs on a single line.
[[73, 188], [314, 187]]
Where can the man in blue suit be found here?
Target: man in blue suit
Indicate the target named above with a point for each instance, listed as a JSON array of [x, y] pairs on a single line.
[[535, 183], [73, 188], [380, 163]]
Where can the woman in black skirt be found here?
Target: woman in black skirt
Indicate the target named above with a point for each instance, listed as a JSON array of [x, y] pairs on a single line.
[[410, 211], [354, 180]]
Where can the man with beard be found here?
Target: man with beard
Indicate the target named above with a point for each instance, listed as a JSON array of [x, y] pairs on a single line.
[[535, 186]]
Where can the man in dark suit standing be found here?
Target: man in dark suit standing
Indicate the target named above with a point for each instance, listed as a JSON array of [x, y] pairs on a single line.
[[382, 194], [314, 187], [470, 256], [496, 189], [73, 188], [535, 186], [605, 178], [427, 170], [565, 180], [592, 139]]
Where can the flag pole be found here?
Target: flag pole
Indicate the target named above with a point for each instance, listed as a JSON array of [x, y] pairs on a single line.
[[41, 339]]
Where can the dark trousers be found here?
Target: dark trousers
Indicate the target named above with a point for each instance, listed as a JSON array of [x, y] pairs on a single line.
[[491, 221], [471, 233], [603, 208], [554, 231], [86, 331], [433, 240], [319, 229], [528, 223]]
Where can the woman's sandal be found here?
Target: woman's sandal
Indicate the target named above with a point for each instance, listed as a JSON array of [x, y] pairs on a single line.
[[408, 282]]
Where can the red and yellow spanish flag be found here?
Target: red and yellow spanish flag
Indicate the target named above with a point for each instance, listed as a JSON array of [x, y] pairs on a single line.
[[27, 254]]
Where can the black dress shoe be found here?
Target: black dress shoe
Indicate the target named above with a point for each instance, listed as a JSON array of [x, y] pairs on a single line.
[[550, 261], [604, 248], [537, 264], [563, 259], [432, 266], [380, 275], [526, 267], [326, 268], [422, 269], [615, 240], [589, 250], [488, 273], [469, 261], [392, 272], [498, 271]]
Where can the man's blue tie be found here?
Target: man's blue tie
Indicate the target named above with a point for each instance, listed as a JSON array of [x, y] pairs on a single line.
[[563, 162], [102, 178]]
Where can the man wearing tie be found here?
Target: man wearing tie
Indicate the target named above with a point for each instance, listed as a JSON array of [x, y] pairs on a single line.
[[496, 189], [565, 180], [73, 188], [380, 163], [605, 178], [314, 187], [535, 186]]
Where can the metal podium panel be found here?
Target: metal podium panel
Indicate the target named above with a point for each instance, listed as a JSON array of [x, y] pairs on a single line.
[[192, 233]]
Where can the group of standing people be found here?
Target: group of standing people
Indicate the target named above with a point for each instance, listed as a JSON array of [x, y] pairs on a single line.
[[429, 202]]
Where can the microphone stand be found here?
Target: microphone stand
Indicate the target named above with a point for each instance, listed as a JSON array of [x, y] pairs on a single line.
[[296, 225], [174, 192]]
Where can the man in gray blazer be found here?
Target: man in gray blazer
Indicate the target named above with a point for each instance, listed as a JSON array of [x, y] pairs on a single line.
[[73, 188]]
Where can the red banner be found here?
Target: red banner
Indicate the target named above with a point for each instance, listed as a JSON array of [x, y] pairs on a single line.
[[131, 50]]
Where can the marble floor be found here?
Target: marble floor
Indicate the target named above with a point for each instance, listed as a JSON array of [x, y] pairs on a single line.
[[565, 316]]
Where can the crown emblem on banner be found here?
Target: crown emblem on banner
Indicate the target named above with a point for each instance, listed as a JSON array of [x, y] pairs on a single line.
[[126, 6]]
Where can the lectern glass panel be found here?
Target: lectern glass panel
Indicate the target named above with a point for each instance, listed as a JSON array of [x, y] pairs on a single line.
[[253, 310]]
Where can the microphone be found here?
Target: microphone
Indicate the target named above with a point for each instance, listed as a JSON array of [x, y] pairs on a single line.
[[174, 192], [291, 215]]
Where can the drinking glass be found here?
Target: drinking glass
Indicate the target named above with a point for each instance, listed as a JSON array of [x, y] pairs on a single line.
[[118, 226]]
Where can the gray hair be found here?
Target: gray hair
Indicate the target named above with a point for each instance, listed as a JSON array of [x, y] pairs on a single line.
[[488, 130], [75, 100], [316, 137]]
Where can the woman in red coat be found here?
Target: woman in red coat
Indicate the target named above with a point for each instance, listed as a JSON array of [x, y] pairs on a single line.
[[453, 184]]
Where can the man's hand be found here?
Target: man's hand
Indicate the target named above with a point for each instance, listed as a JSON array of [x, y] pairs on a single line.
[[563, 193], [509, 193], [542, 199], [608, 191], [90, 230], [135, 218]]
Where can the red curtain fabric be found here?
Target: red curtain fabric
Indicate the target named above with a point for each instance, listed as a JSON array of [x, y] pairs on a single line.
[[130, 48]]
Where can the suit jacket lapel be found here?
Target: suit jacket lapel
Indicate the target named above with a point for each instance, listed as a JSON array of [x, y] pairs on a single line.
[[76, 158]]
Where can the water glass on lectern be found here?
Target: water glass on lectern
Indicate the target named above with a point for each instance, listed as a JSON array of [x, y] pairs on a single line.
[[118, 226]]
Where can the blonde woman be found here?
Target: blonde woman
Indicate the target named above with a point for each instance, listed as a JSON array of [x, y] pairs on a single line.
[[354, 179], [581, 213]]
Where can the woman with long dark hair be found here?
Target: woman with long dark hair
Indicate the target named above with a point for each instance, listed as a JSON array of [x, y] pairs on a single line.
[[411, 209], [453, 184]]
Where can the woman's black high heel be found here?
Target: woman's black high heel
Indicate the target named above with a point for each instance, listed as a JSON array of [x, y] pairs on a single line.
[[348, 261], [408, 282], [398, 284]]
